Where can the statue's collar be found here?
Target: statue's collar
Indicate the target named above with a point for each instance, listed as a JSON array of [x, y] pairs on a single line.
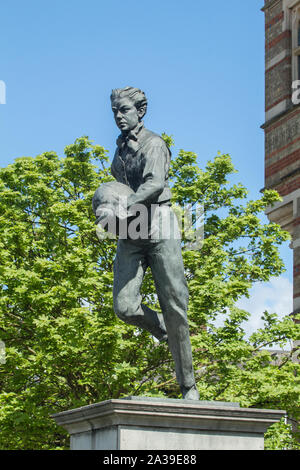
[[132, 135]]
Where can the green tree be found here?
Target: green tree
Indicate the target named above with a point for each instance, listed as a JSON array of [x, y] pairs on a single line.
[[64, 345]]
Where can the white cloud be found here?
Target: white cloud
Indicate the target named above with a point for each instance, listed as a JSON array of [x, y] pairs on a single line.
[[275, 296]]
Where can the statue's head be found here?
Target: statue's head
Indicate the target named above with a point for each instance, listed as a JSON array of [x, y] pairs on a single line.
[[129, 106]]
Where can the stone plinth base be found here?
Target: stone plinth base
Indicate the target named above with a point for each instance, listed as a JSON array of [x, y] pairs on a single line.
[[141, 423]]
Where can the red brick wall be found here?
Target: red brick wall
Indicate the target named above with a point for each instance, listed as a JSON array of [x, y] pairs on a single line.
[[277, 41], [282, 129]]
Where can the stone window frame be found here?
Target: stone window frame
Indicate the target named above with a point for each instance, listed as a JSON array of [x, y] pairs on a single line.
[[296, 43], [291, 10]]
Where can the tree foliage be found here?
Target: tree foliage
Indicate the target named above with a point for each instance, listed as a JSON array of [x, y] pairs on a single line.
[[65, 347]]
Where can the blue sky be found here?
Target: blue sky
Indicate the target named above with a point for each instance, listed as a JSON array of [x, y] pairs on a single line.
[[201, 65]]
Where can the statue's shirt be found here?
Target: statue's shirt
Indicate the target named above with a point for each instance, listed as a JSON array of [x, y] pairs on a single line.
[[142, 162]]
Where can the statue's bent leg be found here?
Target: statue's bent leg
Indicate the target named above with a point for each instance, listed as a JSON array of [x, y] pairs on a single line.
[[129, 269], [167, 267]]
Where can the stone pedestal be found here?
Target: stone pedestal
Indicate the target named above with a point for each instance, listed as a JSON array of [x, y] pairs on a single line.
[[141, 423]]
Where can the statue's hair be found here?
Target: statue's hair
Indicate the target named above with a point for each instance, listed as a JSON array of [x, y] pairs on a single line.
[[137, 96]]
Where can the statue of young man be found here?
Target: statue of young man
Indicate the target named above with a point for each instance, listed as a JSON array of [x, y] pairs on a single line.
[[142, 162]]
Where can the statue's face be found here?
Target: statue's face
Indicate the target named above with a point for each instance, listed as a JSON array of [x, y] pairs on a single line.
[[126, 115]]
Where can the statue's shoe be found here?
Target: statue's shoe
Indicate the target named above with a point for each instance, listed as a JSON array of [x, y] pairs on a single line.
[[190, 393]]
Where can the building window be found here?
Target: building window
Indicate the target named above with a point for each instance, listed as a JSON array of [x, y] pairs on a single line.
[[296, 43]]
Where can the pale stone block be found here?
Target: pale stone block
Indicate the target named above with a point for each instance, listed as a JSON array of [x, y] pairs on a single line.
[[141, 423]]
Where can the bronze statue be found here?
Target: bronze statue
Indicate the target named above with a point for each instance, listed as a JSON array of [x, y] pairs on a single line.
[[141, 162]]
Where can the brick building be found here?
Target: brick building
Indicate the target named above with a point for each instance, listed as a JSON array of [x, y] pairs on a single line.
[[282, 120]]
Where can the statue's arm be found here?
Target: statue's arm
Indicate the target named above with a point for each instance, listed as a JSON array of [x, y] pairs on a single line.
[[113, 172], [113, 169]]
